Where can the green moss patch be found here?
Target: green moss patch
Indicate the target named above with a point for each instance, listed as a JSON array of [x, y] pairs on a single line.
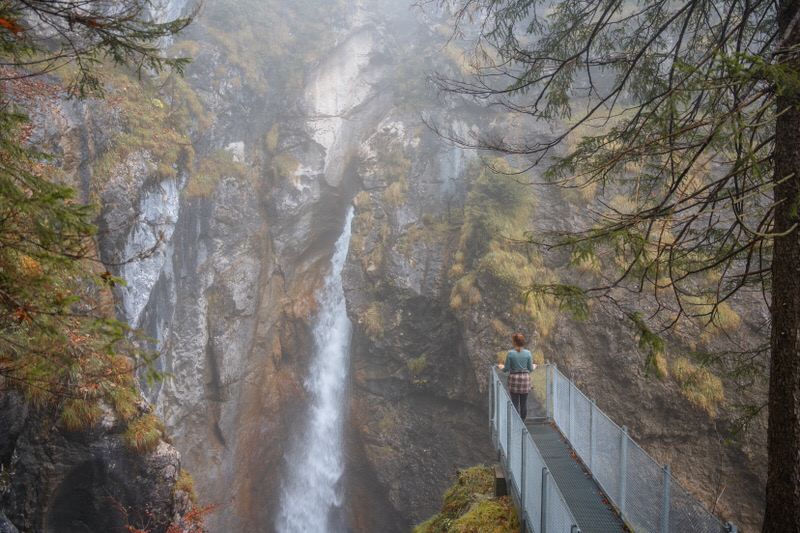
[[469, 507], [488, 516]]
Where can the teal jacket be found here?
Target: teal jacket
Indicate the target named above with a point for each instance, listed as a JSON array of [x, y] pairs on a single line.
[[518, 361]]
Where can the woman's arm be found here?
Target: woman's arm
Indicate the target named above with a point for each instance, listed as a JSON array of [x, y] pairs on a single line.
[[504, 367]]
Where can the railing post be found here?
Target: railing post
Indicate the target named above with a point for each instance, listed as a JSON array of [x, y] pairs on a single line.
[[543, 525], [569, 411], [497, 412], [548, 380], [522, 469], [491, 397], [553, 369], [623, 469], [665, 503], [591, 435], [509, 408]]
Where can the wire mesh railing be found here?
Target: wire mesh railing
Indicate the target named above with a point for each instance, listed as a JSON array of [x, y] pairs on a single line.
[[541, 502], [644, 492]]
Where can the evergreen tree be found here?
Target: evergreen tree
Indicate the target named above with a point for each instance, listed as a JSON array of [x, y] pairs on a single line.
[[59, 343], [690, 111]]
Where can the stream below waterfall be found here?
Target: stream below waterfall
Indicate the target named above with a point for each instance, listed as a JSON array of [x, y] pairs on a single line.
[[312, 494]]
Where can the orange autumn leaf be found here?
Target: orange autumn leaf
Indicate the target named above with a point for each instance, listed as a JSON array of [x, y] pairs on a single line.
[[11, 26], [22, 315]]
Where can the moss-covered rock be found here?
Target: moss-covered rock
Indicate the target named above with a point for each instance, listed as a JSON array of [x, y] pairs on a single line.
[[469, 507]]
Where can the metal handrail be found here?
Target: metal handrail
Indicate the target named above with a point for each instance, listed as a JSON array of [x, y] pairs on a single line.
[[542, 504], [644, 492]]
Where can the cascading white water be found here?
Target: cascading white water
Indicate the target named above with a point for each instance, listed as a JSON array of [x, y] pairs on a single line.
[[313, 495]]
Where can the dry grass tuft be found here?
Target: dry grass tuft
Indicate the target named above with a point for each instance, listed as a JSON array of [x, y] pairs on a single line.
[[79, 414], [144, 433], [185, 483], [699, 385], [372, 320]]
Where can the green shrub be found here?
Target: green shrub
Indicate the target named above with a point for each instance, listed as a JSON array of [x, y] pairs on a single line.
[[492, 259]]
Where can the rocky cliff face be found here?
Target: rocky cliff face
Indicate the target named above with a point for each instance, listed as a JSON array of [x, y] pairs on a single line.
[[54, 480]]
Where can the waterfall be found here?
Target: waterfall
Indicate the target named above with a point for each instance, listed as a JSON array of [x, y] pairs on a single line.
[[312, 497]]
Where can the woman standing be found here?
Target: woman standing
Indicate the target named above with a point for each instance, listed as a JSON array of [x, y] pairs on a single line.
[[519, 364]]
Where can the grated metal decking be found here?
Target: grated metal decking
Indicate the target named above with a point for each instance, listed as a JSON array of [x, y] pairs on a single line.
[[565, 432], [582, 495]]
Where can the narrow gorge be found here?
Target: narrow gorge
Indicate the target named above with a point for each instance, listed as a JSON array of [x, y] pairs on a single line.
[[327, 281]]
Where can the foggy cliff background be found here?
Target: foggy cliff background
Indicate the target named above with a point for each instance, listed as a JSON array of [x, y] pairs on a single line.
[[243, 172]]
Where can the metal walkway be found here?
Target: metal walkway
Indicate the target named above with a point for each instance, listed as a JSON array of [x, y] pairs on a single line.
[[571, 469], [585, 499]]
